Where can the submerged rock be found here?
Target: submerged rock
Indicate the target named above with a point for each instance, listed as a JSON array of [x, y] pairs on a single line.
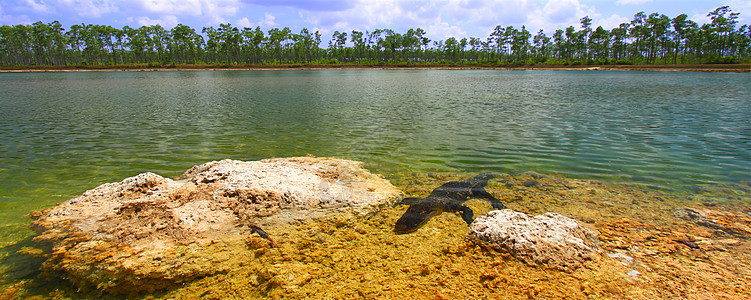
[[690, 214], [148, 232], [549, 239], [728, 222]]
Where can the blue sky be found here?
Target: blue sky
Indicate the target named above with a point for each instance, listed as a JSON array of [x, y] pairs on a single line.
[[441, 19]]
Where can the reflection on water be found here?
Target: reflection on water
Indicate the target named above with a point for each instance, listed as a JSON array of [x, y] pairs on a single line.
[[63, 133]]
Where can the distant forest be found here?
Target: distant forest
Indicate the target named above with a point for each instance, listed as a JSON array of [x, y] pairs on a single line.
[[647, 39]]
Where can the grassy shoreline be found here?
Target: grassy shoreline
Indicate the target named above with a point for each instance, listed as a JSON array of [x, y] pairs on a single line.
[[740, 68]]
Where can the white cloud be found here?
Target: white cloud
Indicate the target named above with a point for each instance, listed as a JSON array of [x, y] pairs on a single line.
[[216, 10], [268, 20], [563, 11], [632, 2], [90, 8], [489, 13], [244, 22], [39, 8], [83, 8], [375, 13], [440, 19], [559, 14], [178, 7], [610, 22], [211, 11], [701, 18], [443, 30], [13, 19], [167, 21], [309, 5]]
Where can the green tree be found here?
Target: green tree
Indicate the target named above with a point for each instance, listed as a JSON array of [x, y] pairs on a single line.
[[570, 46], [721, 30], [583, 39], [520, 44], [182, 47], [228, 39], [306, 45], [681, 27], [541, 47], [253, 44], [157, 43], [658, 36], [358, 39], [599, 41], [41, 43], [559, 44], [336, 45], [639, 33], [653, 38], [277, 40], [212, 43], [619, 46]]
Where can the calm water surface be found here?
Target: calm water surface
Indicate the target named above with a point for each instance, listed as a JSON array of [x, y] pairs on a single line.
[[64, 133]]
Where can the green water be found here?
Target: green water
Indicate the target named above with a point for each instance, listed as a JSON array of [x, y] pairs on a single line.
[[64, 133]]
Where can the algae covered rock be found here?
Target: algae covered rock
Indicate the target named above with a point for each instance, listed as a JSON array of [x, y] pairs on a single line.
[[148, 232], [549, 239]]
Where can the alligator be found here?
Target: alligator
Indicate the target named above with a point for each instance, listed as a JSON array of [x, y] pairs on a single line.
[[448, 197], [255, 228]]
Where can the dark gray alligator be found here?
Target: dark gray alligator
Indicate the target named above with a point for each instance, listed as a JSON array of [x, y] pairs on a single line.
[[448, 197]]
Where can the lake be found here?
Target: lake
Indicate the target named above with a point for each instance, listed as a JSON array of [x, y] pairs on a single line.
[[63, 133]]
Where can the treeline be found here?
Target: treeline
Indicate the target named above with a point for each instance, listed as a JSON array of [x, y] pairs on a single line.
[[647, 39]]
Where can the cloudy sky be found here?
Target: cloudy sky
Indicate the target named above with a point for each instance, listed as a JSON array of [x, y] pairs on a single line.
[[441, 19]]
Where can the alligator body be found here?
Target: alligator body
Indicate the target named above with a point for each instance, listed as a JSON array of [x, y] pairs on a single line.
[[449, 197]]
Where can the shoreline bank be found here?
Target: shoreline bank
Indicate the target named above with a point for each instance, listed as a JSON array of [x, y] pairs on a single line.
[[737, 68]]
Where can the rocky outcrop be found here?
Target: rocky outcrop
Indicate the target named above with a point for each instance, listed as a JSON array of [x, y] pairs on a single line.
[[148, 232], [549, 239]]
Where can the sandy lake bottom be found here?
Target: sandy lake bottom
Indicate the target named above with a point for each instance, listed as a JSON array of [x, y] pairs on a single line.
[[692, 244]]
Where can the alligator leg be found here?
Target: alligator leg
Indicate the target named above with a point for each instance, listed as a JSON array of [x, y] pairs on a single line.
[[497, 204], [467, 213], [480, 192], [262, 233]]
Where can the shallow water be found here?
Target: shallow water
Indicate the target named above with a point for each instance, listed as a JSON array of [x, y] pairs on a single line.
[[64, 133]]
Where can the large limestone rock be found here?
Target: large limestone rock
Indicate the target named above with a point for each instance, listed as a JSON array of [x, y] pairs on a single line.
[[148, 232], [549, 239]]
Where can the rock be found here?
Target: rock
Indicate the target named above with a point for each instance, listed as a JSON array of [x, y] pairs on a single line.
[[148, 232], [730, 221], [623, 257], [549, 239], [697, 217], [729, 242], [530, 183]]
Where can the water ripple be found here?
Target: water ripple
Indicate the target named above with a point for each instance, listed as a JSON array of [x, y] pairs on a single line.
[[63, 133]]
